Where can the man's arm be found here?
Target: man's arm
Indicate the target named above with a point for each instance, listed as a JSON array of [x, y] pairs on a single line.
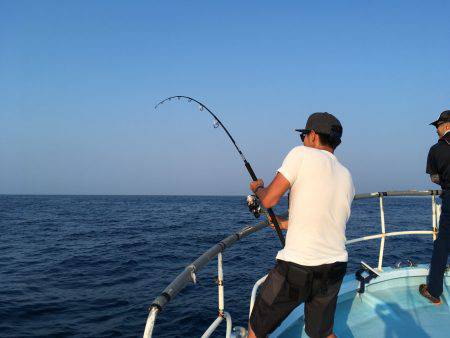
[[431, 167], [271, 195], [431, 163]]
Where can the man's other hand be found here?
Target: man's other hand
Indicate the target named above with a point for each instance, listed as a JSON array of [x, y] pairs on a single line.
[[282, 222]]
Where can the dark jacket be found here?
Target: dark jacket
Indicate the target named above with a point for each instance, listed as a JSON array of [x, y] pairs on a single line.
[[438, 161]]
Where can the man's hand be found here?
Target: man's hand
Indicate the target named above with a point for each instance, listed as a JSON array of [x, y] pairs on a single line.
[[435, 178], [282, 222], [270, 196], [256, 184]]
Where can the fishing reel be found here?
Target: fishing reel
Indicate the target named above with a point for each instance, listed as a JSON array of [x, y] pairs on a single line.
[[253, 205]]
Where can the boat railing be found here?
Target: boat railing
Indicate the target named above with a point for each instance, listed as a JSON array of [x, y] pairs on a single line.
[[435, 214], [189, 273]]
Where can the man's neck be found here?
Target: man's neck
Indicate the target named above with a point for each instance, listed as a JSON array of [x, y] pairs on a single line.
[[320, 147]]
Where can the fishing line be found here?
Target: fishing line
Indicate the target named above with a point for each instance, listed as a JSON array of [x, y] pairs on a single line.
[[216, 124]]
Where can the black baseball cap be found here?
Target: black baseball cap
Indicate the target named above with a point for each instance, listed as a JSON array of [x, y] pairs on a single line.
[[323, 123], [444, 117]]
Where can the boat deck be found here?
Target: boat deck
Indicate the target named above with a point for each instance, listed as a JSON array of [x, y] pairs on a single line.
[[391, 306]]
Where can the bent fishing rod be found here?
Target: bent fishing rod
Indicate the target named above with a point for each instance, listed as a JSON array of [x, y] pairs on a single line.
[[217, 123]]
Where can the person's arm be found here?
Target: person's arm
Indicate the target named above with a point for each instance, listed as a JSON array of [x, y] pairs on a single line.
[[431, 167], [271, 195]]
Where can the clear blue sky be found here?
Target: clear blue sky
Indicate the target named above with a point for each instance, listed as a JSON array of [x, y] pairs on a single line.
[[79, 79]]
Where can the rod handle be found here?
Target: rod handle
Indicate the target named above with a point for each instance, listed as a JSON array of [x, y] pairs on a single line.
[[250, 171], [273, 218]]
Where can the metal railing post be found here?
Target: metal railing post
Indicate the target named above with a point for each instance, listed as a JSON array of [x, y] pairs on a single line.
[[222, 313], [212, 327], [220, 284], [229, 324], [150, 322], [434, 215], [254, 290], [216, 324], [438, 214], [383, 232]]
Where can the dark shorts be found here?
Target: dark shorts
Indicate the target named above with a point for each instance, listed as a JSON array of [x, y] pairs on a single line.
[[287, 286]]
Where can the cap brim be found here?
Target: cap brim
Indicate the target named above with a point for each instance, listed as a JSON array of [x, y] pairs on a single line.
[[435, 123], [301, 130]]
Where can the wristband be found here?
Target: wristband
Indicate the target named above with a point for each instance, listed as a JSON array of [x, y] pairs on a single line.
[[256, 190]]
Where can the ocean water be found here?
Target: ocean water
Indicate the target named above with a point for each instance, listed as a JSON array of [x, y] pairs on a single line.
[[89, 266]]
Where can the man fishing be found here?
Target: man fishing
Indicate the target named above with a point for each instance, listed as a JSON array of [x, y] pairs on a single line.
[[311, 266], [438, 167]]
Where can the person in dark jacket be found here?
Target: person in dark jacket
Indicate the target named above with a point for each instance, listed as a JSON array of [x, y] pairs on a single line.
[[438, 167]]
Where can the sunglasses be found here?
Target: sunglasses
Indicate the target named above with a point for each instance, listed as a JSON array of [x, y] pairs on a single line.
[[303, 135]]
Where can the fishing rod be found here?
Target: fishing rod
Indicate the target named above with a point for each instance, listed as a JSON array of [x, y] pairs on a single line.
[[217, 123]]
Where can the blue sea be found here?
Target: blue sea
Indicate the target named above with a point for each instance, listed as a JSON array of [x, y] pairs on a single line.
[[89, 266]]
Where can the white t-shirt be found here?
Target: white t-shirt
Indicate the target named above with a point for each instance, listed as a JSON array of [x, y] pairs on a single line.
[[321, 195]]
